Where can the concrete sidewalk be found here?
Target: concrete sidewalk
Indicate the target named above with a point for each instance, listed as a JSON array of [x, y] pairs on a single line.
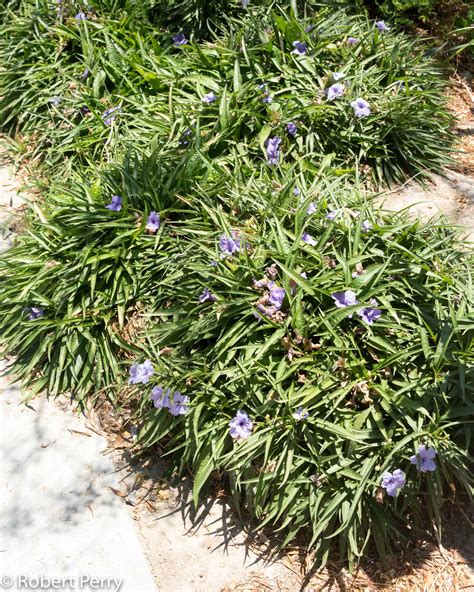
[[59, 519]]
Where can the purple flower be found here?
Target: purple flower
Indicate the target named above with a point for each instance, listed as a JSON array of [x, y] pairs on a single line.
[[229, 244], [296, 191], [307, 238], [209, 98], [276, 295], [312, 209], [80, 16], [392, 482], [241, 425], [335, 91], [108, 116], [424, 459], [343, 299], [352, 40], [300, 48], [300, 414], [179, 39], [245, 3], [382, 27], [370, 314], [332, 214], [273, 150], [35, 313], [361, 107], [179, 404], [337, 75], [160, 397], [267, 99], [206, 295], [153, 222], [141, 373], [292, 128], [116, 204], [366, 226], [86, 74], [183, 140]]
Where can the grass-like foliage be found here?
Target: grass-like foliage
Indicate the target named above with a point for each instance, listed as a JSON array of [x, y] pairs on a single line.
[[272, 326], [342, 336], [266, 70]]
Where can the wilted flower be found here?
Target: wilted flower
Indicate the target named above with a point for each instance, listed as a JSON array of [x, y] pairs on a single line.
[[206, 295], [292, 128], [241, 425], [153, 222], [424, 460], [300, 414], [116, 204], [273, 150], [307, 238], [209, 98], [382, 27], [108, 116], [335, 91], [141, 373], [80, 16], [366, 226], [276, 295], [300, 48], [370, 314], [312, 208], [229, 244], [160, 397], [337, 75], [392, 482], [179, 39], [343, 299], [332, 214], [35, 313], [178, 405], [361, 107], [352, 40]]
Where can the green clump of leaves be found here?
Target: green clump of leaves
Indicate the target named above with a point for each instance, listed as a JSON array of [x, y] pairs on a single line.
[[70, 72]]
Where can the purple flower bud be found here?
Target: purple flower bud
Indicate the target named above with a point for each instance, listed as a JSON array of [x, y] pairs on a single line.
[[292, 128], [35, 313], [382, 27], [366, 226], [273, 150], [312, 209], [206, 295], [108, 116], [296, 191], [300, 414], [179, 39], [209, 98], [153, 222], [331, 215], [300, 48], [307, 238], [116, 204], [337, 75], [352, 40], [80, 16]]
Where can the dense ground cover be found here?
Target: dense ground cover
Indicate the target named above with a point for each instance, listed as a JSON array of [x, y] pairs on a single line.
[[205, 247]]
